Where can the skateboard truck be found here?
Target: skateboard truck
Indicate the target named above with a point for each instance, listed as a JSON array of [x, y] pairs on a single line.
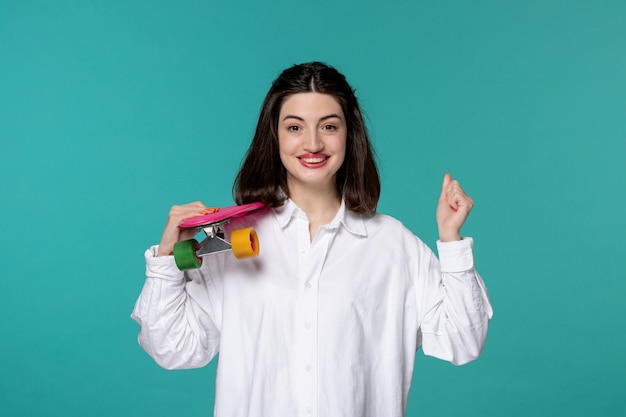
[[214, 242]]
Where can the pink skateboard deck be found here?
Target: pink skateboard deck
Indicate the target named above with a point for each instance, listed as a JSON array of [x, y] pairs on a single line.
[[220, 215]]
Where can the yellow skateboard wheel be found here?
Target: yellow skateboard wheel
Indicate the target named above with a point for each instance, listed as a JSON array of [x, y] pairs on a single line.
[[245, 243]]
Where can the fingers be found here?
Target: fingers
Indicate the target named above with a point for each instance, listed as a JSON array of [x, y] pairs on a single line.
[[172, 233], [447, 179], [453, 208], [453, 194], [181, 212], [443, 198]]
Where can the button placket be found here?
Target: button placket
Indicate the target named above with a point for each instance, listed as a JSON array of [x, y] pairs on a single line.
[[309, 302], [312, 261], [307, 318]]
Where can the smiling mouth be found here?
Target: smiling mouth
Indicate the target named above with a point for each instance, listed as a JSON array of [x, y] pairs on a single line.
[[316, 160]]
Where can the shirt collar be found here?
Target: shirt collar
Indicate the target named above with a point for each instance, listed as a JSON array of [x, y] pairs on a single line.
[[353, 222]]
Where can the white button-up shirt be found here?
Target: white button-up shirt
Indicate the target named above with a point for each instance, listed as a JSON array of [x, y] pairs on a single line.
[[322, 328]]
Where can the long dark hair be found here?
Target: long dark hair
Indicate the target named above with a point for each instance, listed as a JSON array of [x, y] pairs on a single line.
[[262, 176]]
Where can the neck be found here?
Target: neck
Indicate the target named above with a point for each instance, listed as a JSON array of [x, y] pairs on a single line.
[[319, 204]]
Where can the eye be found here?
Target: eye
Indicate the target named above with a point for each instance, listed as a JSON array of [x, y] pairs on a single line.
[[293, 128], [329, 128]]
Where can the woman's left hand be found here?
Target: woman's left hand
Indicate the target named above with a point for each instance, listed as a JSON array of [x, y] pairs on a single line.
[[452, 210]]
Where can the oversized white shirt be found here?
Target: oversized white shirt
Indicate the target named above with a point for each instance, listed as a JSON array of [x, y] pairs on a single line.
[[322, 328]]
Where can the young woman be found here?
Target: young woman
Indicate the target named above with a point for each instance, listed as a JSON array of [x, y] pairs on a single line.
[[327, 320]]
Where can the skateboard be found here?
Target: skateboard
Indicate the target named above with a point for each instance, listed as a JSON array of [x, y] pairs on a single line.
[[244, 243]]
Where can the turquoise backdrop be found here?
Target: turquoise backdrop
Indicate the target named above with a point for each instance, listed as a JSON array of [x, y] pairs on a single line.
[[112, 111]]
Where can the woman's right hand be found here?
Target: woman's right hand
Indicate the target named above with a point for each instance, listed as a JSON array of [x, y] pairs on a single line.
[[172, 232]]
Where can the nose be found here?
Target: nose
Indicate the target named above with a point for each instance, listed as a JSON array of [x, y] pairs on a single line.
[[313, 142]]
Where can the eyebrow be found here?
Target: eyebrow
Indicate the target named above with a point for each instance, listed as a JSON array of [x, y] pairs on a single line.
[[330, 116]]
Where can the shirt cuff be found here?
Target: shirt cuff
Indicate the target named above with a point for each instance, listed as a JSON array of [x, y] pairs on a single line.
[[162, 267], [456, 256]]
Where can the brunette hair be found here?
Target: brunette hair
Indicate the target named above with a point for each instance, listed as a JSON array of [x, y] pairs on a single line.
[[262, 176]]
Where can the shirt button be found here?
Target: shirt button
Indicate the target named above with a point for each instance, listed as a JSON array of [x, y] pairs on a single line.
[[307, 368], [308, 285], [309, 410], [307, 325]]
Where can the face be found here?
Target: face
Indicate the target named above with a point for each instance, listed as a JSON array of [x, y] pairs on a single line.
[[312, 140]]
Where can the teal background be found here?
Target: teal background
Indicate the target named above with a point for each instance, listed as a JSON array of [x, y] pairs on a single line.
[[112, 111]]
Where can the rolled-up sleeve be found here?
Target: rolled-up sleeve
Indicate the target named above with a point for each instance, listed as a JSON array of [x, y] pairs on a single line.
[[175, 330], [454, 304]]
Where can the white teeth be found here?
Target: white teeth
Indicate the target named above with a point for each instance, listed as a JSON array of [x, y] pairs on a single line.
[[313, 160]]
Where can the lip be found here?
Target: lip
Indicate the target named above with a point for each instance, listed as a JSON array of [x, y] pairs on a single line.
[[313, 160]]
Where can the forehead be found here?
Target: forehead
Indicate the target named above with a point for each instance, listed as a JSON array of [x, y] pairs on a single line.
[[310, 105]]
